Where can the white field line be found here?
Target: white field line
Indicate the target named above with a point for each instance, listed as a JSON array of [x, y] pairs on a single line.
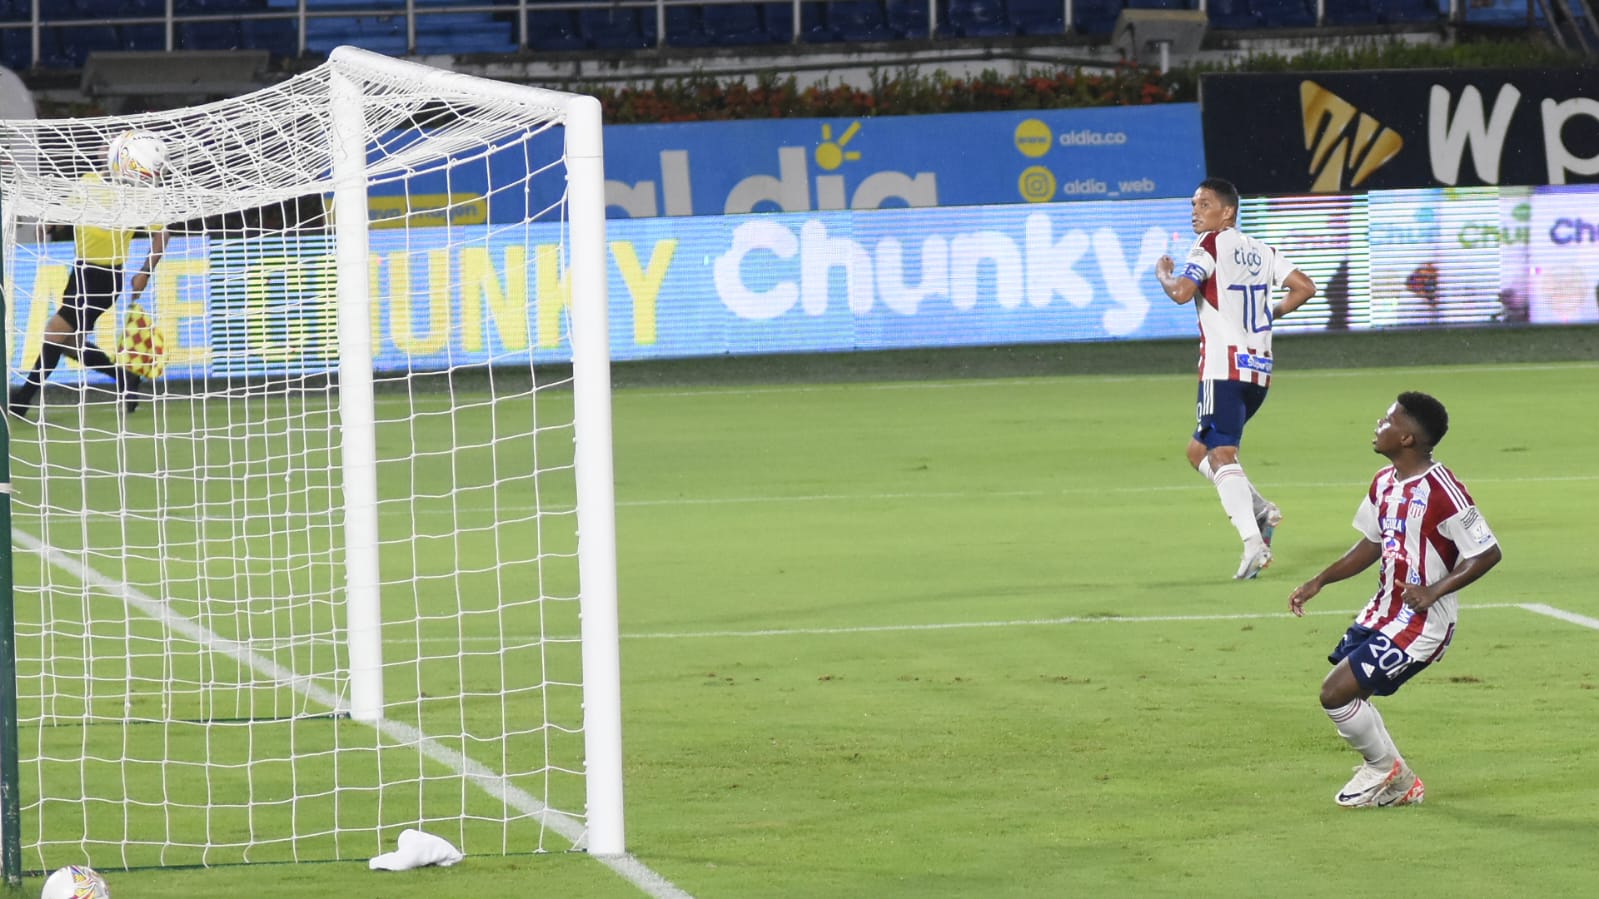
[[391, 400], [481, 776], [944, 626], [390, 509], [1562, 614]]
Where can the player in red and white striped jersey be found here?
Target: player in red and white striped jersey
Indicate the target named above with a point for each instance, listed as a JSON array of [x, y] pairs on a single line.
[[1232, 276], [1419, 521]]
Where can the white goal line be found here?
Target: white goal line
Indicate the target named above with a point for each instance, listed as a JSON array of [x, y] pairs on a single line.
[[1539, 608], [484, 778]]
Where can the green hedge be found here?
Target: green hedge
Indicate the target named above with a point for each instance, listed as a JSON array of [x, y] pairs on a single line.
[[910, 92]]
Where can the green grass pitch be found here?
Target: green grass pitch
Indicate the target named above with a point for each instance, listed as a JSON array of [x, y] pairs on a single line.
[[977, 636]]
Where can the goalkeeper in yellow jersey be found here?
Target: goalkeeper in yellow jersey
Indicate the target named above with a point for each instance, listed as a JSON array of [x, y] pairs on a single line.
[[95, 282]]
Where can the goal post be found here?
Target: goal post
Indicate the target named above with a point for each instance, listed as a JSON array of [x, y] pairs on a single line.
[[347, 565]]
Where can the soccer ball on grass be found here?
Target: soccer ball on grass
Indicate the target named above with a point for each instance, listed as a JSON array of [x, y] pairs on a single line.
[[75, 882]]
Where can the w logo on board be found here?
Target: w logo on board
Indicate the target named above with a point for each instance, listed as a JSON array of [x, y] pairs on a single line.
[[1342, 139]]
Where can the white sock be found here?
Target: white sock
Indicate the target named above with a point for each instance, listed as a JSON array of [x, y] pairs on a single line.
[[1361, 726], [1236, 493], [1255, 498]]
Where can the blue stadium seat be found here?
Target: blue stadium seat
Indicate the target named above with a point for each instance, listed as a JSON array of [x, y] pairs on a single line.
[[16, 49], [113, 9], [1159, 4], [1410, 12], [978, 18], [863, 20], [684, 27], [1037, 16], [1095, 16], [77, 43], [734, 24], [617, 28], [555, 30], [144, 37], [1285, 13], [214, 7], [466, 33], [1233, 15], [52, 53], [215, 35], [280, 37], [1496, 16], [380, 34], [1352, 12], [908, 17], [814, 26]]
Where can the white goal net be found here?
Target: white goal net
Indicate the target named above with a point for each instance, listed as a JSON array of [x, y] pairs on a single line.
[[319, 579]]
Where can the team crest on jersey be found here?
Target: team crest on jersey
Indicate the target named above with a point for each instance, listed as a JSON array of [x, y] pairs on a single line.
[[1418, 501]]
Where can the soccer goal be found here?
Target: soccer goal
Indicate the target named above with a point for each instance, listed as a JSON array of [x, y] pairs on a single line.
[[325, 581]]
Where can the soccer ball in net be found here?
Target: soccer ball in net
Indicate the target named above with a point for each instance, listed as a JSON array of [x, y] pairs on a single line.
[[75, 882], [137, 157]]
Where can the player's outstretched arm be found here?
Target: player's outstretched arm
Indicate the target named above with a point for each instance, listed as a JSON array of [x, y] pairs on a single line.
[[1357, 559]]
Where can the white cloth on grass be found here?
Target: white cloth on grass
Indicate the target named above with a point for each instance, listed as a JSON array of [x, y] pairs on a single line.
[[417, 850]]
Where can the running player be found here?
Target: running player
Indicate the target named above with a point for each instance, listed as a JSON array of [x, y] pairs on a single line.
[[95, 282], [1418, 520], [1233, 276]]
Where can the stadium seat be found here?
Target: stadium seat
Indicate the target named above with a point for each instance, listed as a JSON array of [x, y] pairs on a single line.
[[814, 26], [77, 43], [1037, 16], [16, 49], [149, 37], [734, 24], [276, 36], [617, 28], [380, 34], [1410, 12], [1095, 16], [685, 28], [907, 17], [977, 18], [1495, 16], [554, 30], [1352, 12], [214, 35], [1160, 4], [214, 7], [862, 20], [467, 33], [1229, 15], [111, 9], [1285, 13]]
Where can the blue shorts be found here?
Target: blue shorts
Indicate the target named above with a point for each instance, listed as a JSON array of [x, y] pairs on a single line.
[[1222, 410], [1378, 665]]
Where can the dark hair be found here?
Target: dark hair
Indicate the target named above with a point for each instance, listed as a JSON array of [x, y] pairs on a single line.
[[1223, 189], [1427, 412]]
